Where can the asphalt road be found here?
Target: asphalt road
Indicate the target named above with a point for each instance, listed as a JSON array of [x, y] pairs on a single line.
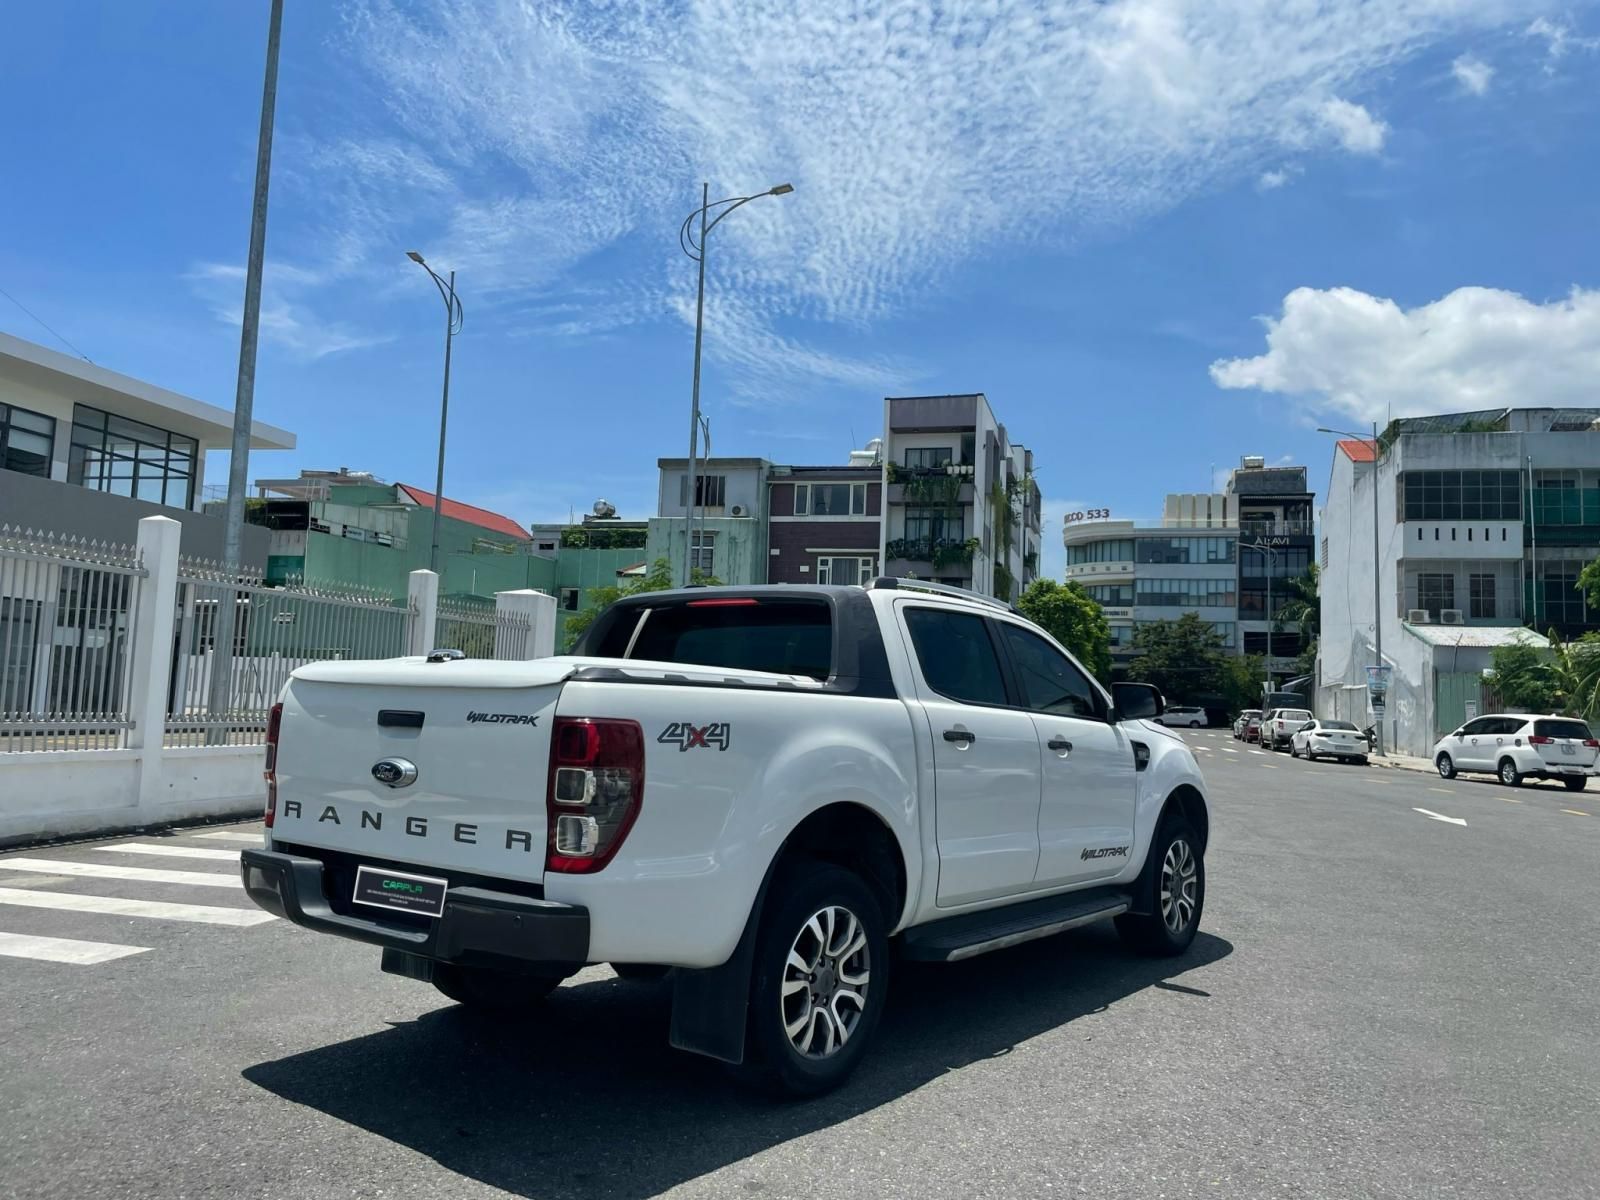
[[1381, 1004]]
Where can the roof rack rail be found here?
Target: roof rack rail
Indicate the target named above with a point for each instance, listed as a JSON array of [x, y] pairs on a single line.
[[943, 589]]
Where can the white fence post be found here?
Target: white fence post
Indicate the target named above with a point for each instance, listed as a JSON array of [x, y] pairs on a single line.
[[539, 610], [422, 591], [150, 668]]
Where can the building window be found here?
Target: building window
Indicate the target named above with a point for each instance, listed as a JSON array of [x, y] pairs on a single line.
[[1325, 550], [1184, 550], [1461, 495], [1436, 592], [1481, 594], [928, 456], [1285, 643], [128, 458], [1115, 550], [702, 552], [26, 441], [1118, 595], [830, 499], [1185, 593], [1290, 563], [710, 491], [848, 570], [935, 524], [569, 599]]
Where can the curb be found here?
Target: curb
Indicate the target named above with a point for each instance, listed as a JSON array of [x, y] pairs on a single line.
[[1395, 762]]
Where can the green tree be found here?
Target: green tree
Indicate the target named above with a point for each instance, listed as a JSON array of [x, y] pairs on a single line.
[[1524, 678], [1241, 681], [657, 579], [1070, 615], [1303, 607], [1184, 659]]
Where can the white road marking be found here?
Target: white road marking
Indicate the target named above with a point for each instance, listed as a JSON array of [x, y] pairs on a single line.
[[1439, 816], [204, 914], [173, 851], [55, 866], [1229, 750], [1260, 752], [229, 835], [63, 950]]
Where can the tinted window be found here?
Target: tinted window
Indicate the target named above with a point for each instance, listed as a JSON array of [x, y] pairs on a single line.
[[1481, 725], [1562, 729], [1292, 714], [1337, 725], [1050, 683], [956, 655], [789, 637]]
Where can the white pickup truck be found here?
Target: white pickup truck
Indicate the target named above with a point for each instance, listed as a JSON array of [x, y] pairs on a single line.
[[759, 789]]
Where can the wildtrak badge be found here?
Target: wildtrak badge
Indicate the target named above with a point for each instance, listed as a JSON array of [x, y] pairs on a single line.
[[478, 718], [1105, 852]]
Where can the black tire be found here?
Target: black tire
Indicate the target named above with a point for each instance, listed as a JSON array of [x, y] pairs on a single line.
[[1310, 757], [640, 972], [1446, 766], [1575, 783], [1508, 773], [1150, 933], [495, 993], [802, 893], [1194, 724]]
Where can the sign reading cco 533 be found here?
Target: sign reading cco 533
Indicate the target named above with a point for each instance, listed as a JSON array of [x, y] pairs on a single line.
[[1088, 514]]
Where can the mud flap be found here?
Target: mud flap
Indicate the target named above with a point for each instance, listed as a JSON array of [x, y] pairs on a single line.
[[710, 1007]]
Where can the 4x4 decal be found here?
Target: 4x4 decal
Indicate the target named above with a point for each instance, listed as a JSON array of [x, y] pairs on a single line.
[[684, 736]]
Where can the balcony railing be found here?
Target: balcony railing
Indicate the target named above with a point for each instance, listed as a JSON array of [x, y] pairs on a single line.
[[939, 552], [1250, 531]]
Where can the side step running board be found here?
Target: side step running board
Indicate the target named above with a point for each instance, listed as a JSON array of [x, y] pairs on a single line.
[[955, 938]]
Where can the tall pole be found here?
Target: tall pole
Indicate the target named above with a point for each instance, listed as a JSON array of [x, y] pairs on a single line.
[[1270, 558], [444, 421], [245, 388], [1377, 578], [694, 413]]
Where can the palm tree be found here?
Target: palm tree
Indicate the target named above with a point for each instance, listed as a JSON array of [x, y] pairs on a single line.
[[1303, 607]]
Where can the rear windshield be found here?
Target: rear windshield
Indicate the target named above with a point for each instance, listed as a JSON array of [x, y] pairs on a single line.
[[1251, 712], [787, 637], [1292, 714], [1337, 725], [1562, 729]]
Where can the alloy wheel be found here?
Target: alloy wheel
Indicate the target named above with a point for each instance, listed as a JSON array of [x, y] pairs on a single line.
[[825, 981], [1179, 886]]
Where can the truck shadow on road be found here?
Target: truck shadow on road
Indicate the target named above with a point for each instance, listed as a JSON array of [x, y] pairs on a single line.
[[588, 1100]]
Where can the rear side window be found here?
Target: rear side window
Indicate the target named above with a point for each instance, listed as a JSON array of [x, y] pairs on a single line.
[[786, 637], [956, 655], [1562, 729], [1050, 683]]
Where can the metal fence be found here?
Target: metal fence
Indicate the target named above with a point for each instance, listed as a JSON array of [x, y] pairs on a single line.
[[275, 630], [67, 610], [465, 626]]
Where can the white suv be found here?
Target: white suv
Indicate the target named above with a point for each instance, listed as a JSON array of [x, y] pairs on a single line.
[[1280, 725], [1185, 715], [1517, 746]]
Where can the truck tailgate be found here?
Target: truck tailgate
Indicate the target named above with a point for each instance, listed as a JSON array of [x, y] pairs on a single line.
[[464, 746]]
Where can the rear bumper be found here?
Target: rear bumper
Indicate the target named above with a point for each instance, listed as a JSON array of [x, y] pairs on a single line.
[[479, 927]]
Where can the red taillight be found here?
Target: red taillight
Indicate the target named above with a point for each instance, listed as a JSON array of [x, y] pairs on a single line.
[[593, 794], [270, 774], [725, 602], [1537, 740], [1591, 743]]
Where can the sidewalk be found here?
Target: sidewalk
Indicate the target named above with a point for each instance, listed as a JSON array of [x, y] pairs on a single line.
[[1402, 762]]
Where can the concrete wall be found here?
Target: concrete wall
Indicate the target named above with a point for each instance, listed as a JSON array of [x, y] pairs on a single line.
[[741, 547]]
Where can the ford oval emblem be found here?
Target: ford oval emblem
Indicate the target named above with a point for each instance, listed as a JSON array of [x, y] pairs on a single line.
[[395, 772]]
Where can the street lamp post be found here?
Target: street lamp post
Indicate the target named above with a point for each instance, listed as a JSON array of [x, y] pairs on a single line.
[[1377, 558], [695, 247], [453, 319]]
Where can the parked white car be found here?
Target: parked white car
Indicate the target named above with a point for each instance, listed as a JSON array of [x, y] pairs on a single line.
[[1242, 720], [1518, 746], [1329, 739], [1279, 725], [1185, 716], [754, 789]]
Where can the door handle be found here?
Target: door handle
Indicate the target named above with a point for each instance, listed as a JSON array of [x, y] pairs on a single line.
[[1060, 745], [964, 736]]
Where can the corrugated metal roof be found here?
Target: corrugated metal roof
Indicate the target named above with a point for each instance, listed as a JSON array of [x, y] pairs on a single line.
[[1358, 450], [1476, 637], [468, 513]]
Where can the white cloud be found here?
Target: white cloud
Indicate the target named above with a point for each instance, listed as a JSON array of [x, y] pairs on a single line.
[[1472, 73], [1277, 177], [525, 143], [286, 320], [1558, 38], [1475, 348], [1357, 130]]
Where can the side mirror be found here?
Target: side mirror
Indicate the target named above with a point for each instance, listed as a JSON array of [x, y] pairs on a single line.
[[1132, 701], [1308, 725], [1458, 733]]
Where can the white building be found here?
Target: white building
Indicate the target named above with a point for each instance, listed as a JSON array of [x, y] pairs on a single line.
[[1484, 521], [962, 504]]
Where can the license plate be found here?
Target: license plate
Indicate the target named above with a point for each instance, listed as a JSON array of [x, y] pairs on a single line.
[[399, 891], [1569, 748]]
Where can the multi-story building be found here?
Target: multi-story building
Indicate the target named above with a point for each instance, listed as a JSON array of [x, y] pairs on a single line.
[[825, 523], [1141, 572], [721, 525], [1483, 523], [1276, 541], [86, 452], [600, 551], [961, 503]]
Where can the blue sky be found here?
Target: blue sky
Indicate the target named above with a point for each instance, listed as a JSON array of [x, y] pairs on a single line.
[[1158, 235]]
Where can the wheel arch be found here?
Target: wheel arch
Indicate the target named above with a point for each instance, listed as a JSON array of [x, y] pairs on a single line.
[[1185, 800], [852, 836]]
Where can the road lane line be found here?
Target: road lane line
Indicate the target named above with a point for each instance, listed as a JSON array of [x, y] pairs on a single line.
[[228, 835], [117, 906], [1439, 816], [1443, 791], [1229, 750], [1511, 800], [172, 851], [63, 950], [1263, 753], [1577, 812], [55, 866]]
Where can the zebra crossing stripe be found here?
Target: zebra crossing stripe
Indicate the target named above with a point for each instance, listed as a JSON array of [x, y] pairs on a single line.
[[117, 906], [63, 950], [173, 851], [230, 835], [56, 866]]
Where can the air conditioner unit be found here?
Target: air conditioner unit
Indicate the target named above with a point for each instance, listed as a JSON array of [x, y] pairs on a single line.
[[739, 510], [1417, 616], [1450, 616]]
